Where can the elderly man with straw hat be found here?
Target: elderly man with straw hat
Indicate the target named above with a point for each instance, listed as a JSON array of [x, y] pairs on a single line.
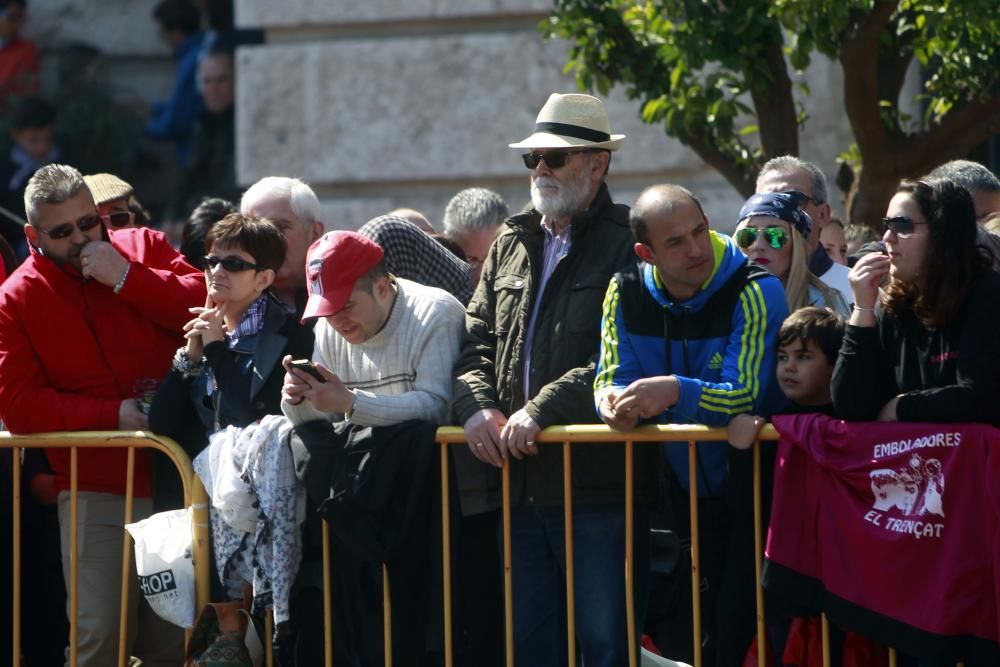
[[527, 362]]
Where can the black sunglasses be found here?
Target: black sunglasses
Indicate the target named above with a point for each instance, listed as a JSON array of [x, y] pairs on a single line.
[[802, 198], [900, 225], [118, 219], [84, 224], [231, 264], [554, 159], [776, 237]]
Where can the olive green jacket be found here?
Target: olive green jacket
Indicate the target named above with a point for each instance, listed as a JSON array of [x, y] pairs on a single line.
[[490, 371]]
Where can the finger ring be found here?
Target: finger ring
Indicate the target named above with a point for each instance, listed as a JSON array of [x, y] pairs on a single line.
[[479, 444], [531, 443]]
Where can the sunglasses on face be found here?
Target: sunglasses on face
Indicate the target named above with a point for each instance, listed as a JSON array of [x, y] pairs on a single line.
[[119, 219], [230, 264], [554, 159], [84, 224], [776, 237], [802, 198], [901, 225]]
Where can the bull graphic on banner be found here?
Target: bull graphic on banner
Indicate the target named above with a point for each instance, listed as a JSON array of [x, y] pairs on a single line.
[[915, 489]]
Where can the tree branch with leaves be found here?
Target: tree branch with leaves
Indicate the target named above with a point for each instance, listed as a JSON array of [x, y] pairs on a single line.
[[716, 76]]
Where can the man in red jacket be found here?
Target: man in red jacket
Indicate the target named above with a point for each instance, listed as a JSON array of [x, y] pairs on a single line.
[[86, 322]]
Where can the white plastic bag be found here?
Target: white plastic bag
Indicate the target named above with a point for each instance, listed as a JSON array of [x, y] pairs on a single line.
[[165, 565]]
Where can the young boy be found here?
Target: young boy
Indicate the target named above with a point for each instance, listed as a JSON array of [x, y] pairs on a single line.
[[808, 344]]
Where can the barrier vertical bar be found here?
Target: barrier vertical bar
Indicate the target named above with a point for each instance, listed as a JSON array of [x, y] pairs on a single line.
[[825, 628], [508, 580], [630, 553], [327, 600], [73, 550], [695, 550], [126, 560], [269, 636], [758, 554], [386, 616], [568, 542], [16, 555], [446, 553], [202, 541]]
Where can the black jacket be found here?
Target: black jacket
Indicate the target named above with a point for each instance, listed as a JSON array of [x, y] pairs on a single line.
[[373, 484], [951, 374], [174, 413]]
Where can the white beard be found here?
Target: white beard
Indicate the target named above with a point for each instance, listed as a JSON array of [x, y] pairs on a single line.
[[570, 198]]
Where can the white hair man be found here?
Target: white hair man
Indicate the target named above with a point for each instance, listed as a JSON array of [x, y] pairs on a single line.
[[791, 174], [532, 333], [293, 207], [471, 219]]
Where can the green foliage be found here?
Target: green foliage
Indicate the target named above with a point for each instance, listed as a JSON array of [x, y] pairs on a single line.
[[689, 63], [955, 42], [695, 65]]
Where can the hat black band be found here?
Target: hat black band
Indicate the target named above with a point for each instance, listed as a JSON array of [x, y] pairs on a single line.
[[573, 131]]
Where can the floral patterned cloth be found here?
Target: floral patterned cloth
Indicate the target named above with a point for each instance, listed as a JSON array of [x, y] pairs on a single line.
[[268, 556]]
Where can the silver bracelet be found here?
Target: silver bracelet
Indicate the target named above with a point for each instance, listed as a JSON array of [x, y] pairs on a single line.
[[121, 282], [185, 366], [864, 310]]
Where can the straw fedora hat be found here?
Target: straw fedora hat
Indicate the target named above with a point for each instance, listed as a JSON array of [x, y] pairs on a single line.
[[572, 121]]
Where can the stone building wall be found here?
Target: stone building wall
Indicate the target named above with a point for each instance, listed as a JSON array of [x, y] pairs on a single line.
[[136, 62], [389, 103]]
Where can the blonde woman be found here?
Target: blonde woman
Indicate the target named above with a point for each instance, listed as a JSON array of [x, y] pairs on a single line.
[[772, 231]]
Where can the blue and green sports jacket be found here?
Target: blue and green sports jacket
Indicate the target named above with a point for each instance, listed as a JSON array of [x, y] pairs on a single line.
[[720, 344]]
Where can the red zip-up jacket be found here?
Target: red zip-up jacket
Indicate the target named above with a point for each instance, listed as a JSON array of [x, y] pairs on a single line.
[[71, 350]]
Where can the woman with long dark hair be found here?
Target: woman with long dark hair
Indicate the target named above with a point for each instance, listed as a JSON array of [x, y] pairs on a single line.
[[927, 348]]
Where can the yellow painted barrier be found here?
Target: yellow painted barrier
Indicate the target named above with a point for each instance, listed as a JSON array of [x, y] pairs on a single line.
[[130, 440], [568, 436], [581, 435]]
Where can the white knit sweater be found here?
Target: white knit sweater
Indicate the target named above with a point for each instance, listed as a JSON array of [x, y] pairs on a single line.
[[404, 371]]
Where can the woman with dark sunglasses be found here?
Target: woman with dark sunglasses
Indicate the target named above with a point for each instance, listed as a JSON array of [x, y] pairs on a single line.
[[230, 372], [773, 231], [927, 348]]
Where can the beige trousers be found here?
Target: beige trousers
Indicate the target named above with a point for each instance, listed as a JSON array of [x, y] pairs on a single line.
[[100, 532]]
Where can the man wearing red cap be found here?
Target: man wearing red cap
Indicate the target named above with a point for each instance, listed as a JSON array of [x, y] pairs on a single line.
[[384, 345]]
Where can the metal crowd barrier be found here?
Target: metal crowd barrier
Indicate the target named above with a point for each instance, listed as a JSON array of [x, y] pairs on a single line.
[[105, 440], [568, 436]]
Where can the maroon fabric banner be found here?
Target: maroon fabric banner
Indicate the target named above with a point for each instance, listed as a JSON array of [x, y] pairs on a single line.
[[892, 528]]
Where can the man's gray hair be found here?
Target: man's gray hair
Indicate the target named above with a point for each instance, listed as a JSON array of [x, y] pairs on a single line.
[[52, 184], [785, 164], [474, 210], [970, 175], [300, 197]]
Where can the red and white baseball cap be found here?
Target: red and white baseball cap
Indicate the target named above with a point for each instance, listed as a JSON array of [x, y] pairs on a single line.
[[334, 263]]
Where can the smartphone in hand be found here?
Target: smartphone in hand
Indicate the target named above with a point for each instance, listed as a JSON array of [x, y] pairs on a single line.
[[307, 366]]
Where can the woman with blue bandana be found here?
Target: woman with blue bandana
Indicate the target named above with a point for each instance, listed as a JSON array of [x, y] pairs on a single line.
[[772, 231]]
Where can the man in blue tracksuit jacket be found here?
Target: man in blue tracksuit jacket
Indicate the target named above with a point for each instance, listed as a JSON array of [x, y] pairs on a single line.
[[689, 336]]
